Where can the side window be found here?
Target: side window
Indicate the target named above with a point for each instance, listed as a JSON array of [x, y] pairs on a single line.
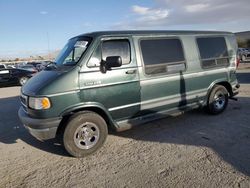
[[162, 56], [213, 52], [111, 48], [116, 48]]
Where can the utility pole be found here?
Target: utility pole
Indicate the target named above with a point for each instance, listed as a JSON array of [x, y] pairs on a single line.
[[48, 45]]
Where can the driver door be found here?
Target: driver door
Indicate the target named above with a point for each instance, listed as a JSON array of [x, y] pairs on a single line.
[[118, 90]]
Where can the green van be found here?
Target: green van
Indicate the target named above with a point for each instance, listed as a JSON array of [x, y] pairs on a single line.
[[118, 79]]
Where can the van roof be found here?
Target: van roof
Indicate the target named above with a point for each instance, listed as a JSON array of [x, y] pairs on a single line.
[[152, 32]]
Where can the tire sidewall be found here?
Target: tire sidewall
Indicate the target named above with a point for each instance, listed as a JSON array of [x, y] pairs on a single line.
[[210, 105], [74, 122]]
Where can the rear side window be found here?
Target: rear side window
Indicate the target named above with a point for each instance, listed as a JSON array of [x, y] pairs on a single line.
[[213, 52], [162, 56]]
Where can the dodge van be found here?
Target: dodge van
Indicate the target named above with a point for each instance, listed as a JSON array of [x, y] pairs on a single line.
[[119, 79]]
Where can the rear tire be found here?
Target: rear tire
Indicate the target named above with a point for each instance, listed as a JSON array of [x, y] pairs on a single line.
[[84, 134], [217, 100]]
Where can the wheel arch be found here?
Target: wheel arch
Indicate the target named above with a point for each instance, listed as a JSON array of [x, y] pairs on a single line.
[[93, 108], [224, 83]]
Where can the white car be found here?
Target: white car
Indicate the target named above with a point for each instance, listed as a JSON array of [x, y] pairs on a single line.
[[244, 54], [2, 66]]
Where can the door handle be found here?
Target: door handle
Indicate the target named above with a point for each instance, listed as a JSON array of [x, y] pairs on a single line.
[[131, 71]]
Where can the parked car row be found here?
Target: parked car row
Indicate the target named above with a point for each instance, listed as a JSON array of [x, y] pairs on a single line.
[[39, 66], [19, 74], [34, 66], [28, 67], [11, 76]]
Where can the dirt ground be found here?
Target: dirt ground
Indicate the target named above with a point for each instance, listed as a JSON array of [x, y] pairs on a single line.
[[190, 150]]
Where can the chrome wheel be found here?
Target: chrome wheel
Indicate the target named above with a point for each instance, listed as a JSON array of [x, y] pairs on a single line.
[[86, 135], [219, 100], [23, 80]]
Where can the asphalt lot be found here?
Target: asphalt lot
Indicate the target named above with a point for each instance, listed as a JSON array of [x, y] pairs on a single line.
[[191, 150]]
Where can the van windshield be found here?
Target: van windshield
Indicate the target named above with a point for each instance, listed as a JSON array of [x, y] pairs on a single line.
[[72, 51]]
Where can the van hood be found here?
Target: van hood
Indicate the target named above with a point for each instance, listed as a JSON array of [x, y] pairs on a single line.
[[39, 81], [51, 82]]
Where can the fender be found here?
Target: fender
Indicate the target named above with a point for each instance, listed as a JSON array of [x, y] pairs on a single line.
[[218, 81], [94, 106]]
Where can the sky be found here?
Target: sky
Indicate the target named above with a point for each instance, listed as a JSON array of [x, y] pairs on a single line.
[[33, 27]]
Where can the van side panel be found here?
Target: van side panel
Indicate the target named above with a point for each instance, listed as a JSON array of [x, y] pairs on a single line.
[[165, 92]]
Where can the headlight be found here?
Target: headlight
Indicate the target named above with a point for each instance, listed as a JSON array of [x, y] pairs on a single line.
[[39, 103]]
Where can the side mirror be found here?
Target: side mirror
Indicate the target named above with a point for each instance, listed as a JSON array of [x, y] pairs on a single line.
[[111, 61]]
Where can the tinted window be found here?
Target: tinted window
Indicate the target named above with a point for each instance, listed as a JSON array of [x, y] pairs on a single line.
[[116, 48], [213, 51], [162, 55], [212, 47]]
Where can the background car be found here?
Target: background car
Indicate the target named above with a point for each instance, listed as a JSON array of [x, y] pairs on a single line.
[[42, 65], [14, 76], [2, 66], [28, 67], [244, 54], [33, 63], [10, 66]]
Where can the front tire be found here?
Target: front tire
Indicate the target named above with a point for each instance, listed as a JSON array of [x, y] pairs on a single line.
[[218, 100], [84, 134]]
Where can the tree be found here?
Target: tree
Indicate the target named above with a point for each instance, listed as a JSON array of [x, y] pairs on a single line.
[[248, 43], [242, 43]]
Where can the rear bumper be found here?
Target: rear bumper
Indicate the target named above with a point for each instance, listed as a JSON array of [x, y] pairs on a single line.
[[42, 129], [235, 90]]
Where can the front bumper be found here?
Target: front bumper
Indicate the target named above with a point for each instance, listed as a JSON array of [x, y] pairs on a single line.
[[42, 129]]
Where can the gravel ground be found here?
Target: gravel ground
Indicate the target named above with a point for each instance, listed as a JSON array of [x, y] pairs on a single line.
[[190, 150]]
